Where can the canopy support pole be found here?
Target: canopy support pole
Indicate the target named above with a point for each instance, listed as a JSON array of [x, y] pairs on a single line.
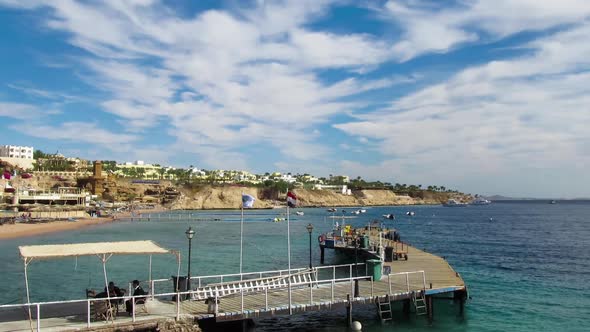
[[104, 260], [150, 277], [27, 261]]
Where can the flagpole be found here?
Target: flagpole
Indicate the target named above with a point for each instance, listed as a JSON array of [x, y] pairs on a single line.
[[289, 256], [288, 241], [241, 237]]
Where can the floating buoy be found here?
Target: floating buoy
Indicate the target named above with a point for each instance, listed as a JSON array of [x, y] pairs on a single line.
[[356, 326]]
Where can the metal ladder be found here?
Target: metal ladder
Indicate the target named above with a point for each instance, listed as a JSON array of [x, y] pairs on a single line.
[[419, 303], [384, 309]]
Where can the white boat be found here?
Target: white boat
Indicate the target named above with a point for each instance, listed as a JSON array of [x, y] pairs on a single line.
[[389, 216], [410, 213], [356, 212], [454, 203], [363, 210], [299, 213], [481, 201], [331, 210]]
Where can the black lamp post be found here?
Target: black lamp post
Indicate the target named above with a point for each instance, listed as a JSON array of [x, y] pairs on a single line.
[[190, 233], [309, 230]]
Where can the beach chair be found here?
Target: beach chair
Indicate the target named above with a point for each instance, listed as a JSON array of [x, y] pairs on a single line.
[[103, 310]]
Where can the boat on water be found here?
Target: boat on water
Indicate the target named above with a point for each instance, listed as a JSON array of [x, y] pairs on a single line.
[[481, 201], [299, 213], [363, 210], [356, 212], [454, 203], [553, 202], [277, 219], [331, 210], [390, 216], [410, 213]]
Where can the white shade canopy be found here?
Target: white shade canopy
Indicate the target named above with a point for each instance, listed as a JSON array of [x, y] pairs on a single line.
[[93, 248]]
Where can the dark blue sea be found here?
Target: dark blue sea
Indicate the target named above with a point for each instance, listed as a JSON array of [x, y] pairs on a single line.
[[526, 263]]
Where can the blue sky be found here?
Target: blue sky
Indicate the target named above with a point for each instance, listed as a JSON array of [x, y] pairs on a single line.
[[479, 95]]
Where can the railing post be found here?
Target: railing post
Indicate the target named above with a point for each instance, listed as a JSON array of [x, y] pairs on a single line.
[[371, 286], [153, 284], [333, 272], [266, 297], [133, 308], [332, 291], [423, 280], [389, 282], [177, 306], [350, 272], [88, 312], [408, 281], [38, 317], [242, 296], [310, 293], [216, 303]]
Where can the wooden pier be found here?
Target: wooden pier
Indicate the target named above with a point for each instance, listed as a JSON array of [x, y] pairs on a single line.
[[233, 297]]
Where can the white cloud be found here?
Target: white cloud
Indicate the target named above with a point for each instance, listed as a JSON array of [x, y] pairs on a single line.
[[429, 27], [504, 118], [219, 78], [79, 132], [19, 111]]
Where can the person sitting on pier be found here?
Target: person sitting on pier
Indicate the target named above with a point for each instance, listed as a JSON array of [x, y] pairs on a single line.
[[115, 291], [137, 291]]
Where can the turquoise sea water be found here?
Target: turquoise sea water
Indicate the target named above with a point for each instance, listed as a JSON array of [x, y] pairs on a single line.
[[526, 270]]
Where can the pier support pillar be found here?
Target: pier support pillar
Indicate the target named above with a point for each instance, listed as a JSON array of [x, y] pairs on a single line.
[[322, 254], [460, 296], [430, 308], [406, 304]]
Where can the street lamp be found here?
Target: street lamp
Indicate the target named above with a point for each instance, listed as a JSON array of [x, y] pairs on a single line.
[[309, 230], [190, 233]]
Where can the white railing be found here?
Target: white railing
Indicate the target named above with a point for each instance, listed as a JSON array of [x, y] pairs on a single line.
[[201, 281], [406, 281], [169, 304], [173, 308]]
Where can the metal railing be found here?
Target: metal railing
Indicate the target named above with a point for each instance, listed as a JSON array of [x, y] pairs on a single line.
[[406, 283], [201, 281], [169, 304]]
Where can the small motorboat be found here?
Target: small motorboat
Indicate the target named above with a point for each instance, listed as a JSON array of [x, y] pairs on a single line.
[[363, 210], [390, 216], [356, 212], [299, 213], [331, 210], [277, 219], [454, 203], [410, 213]]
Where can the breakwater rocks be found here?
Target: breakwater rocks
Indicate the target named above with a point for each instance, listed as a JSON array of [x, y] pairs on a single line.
[[229, 197]]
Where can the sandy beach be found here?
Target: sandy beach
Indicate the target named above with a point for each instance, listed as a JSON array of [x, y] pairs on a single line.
[[11, 231]]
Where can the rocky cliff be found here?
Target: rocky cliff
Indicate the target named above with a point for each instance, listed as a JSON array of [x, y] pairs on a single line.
[[229, 197]]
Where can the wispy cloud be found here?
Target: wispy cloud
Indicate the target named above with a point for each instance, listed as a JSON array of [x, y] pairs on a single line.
[[432, 26], [498, 118]]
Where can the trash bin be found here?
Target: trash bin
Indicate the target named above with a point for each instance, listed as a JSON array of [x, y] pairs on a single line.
[[365, 242], [180, 287], [374, 268]]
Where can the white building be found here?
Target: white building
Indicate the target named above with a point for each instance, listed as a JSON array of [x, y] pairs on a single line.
[[13, 151]]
